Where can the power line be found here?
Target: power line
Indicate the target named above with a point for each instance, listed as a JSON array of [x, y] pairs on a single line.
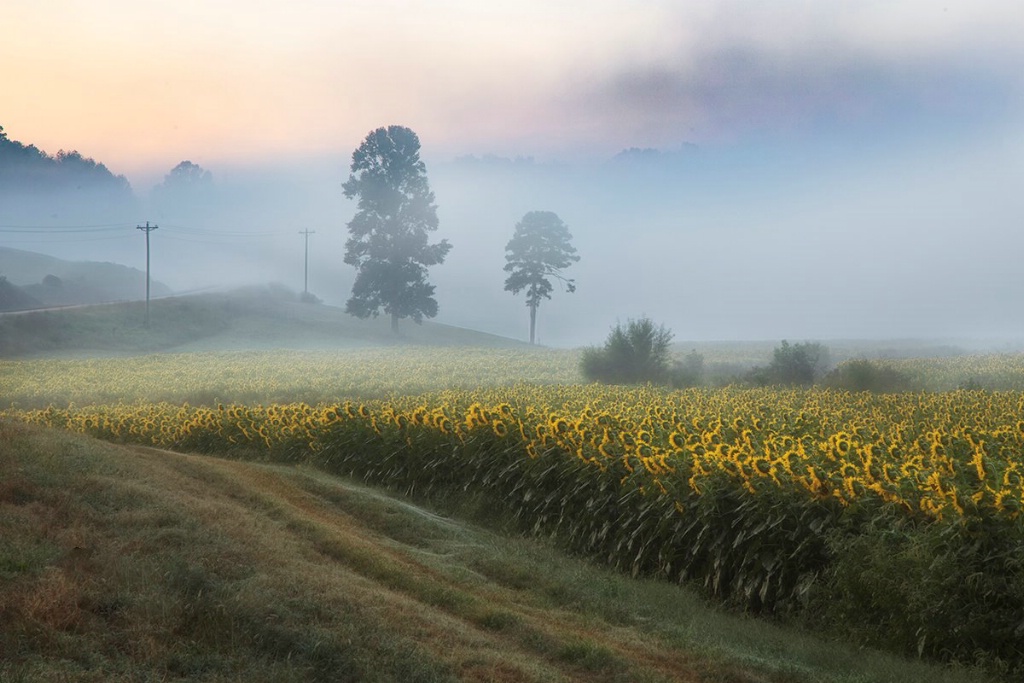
[[51, 230], [115, 227], [168, 235], [66, 240], [48, 227], [238, 233]]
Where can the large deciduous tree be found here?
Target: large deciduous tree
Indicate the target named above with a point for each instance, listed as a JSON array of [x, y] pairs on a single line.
[[541, 247], [389, 235]]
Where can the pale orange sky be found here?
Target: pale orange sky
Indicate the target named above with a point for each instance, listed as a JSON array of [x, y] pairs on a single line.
[[143, 85]]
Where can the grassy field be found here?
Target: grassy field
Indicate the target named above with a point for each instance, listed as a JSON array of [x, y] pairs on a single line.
[[208, 378], [250, 319], [126, 563], [888, 519]]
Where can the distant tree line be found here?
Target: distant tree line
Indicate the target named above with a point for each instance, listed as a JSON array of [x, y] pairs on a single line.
[[26, 168], [37, 188]]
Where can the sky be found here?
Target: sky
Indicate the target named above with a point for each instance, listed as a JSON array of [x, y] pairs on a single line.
[[822, 169]]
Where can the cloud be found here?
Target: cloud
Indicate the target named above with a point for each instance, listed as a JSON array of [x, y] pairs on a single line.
[[747, 71]]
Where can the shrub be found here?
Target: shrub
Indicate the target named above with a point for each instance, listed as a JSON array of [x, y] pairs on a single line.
[[793, 365], [636, 353], [864, 375], [689, 372]]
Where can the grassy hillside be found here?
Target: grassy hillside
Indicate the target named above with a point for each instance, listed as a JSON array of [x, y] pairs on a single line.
[[14, 298], [74, 282], [128, 563], [256, 318]]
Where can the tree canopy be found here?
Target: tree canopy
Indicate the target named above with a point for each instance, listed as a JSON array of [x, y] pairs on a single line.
[[389, 235], [187, 174], [540, 248], [186, 193], [26, 167], [41, 188], [794, 364]]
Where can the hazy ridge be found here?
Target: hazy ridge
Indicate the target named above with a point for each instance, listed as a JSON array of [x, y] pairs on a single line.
[[50, 281]]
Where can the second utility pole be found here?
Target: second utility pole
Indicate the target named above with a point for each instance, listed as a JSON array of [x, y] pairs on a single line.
[[305, 277], [148, 228]]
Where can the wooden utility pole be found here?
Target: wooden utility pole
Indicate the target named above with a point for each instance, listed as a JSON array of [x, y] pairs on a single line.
[[148, 229], [305, 278]]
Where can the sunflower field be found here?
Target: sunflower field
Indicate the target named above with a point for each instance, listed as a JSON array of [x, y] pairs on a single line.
[[895, 518]]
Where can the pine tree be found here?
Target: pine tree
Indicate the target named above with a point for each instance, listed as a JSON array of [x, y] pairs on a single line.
[[540, 248]]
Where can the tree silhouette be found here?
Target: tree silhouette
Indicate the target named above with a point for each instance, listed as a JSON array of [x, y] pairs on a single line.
[[540, 248], [36, 187], [187, 174], [186, 193], [388, 242], [636, 353]]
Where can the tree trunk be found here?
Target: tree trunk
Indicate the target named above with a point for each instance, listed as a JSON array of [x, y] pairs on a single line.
[[533, 324], [394, 323]]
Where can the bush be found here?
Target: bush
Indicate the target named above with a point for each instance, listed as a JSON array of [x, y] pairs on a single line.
[[793, 365], [636, 353], [689, 372], [864, 375]]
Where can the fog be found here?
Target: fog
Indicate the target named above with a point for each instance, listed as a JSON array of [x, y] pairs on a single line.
[[764, 241], [719, 245], [733, 170]]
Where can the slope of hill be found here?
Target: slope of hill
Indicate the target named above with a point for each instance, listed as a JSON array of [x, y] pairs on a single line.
[[254, 318], [56, 282], [128, 563], [14, 298]]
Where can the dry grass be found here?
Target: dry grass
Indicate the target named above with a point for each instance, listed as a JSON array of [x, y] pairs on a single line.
[[122, 564]]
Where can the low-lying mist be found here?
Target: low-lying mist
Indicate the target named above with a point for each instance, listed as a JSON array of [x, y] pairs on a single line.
[[765, 243]]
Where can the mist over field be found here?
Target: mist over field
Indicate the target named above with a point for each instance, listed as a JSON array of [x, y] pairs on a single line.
[[850, 172], [717, 244]]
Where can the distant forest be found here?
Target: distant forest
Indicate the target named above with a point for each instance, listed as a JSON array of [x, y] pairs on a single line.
[[41, 188]]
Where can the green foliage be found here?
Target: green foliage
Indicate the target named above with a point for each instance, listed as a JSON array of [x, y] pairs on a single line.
[[864, 375], [636, 353], [950, 591], [540, 248], [689, 372], [388, 241], [793, 365]]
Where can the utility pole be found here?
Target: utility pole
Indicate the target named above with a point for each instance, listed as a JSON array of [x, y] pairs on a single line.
[[148, 229], [305, 278]]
